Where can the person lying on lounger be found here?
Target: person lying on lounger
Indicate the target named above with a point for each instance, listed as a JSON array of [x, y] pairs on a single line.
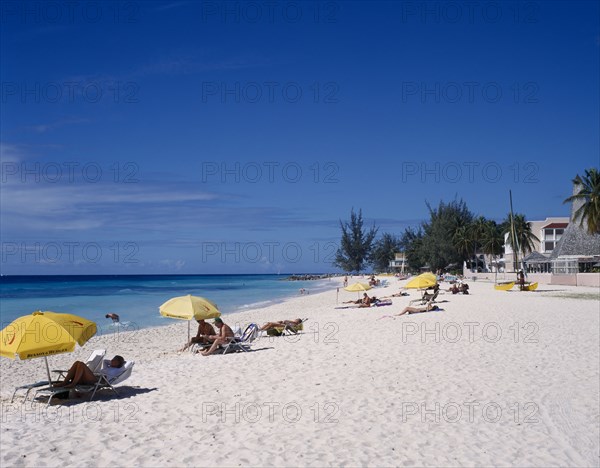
[[80, 374], [416, 310], [281, 324], [204, 329], [224, 336]]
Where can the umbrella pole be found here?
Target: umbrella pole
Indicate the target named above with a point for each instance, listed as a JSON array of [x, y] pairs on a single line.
[[188, 331], [48, 370]]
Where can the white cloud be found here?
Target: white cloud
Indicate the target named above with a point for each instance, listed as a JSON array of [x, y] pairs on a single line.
[[46, 127], [44, 205], [11, 153]]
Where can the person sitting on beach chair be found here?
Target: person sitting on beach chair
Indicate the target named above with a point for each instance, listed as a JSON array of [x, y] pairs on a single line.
[[431, 296], [224, 336], [204, 329], [416, 310], [81, 374]]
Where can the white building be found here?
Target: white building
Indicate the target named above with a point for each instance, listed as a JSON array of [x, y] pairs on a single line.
[[399, 263], [548, 231]]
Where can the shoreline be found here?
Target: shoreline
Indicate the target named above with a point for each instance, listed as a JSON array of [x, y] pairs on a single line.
[[137, 300], [357, 387]]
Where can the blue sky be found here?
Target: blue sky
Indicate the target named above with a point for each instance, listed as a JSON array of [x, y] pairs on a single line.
[[231, 137]]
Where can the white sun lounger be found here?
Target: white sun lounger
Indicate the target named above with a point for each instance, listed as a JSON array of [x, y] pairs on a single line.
[[243, 343], [94, 361], [104, 381]]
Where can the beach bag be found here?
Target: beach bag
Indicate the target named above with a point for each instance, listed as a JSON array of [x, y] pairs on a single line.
[[275, 331]]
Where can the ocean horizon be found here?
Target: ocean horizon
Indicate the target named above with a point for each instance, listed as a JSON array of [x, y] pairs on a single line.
[[137, 298]]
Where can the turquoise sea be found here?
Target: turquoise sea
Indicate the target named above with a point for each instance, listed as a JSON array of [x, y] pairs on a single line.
[[136, 298]]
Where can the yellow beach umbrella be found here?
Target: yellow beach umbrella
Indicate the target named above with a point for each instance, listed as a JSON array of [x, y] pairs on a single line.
[[424, 281], [357, 287], [189, 307], [429, 275], [43, 334]]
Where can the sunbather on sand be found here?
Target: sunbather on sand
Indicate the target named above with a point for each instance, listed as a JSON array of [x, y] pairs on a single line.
[[280, 324], [225, 336], [416, 310], [204, 329], [398, 294], [366, 301], [81, 374]]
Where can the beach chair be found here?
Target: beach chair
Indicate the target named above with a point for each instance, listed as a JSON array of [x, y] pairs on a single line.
[[427, 298], [103, 382], [109, 382], [94, 361], [287, 329], [243, 342], [293, 329]]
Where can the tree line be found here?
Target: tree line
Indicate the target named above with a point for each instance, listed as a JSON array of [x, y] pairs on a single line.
[[453, 234]]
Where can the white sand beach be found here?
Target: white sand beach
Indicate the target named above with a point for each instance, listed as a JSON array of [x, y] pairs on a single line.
[[495, 378]]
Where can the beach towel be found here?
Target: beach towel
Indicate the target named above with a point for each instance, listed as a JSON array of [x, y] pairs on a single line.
[[383, 303]]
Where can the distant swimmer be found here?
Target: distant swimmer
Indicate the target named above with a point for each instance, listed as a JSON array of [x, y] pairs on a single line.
[[114, 317]]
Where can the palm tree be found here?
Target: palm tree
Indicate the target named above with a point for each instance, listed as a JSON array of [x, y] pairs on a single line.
[[492, 239], [523, 241], [478, 227], [589, 195], [463, 241]]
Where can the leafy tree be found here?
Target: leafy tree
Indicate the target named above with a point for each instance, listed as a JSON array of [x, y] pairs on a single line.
[[469, 238], [355, 245], [589, 196], [383, 252], [411, 243], [438, 244]]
